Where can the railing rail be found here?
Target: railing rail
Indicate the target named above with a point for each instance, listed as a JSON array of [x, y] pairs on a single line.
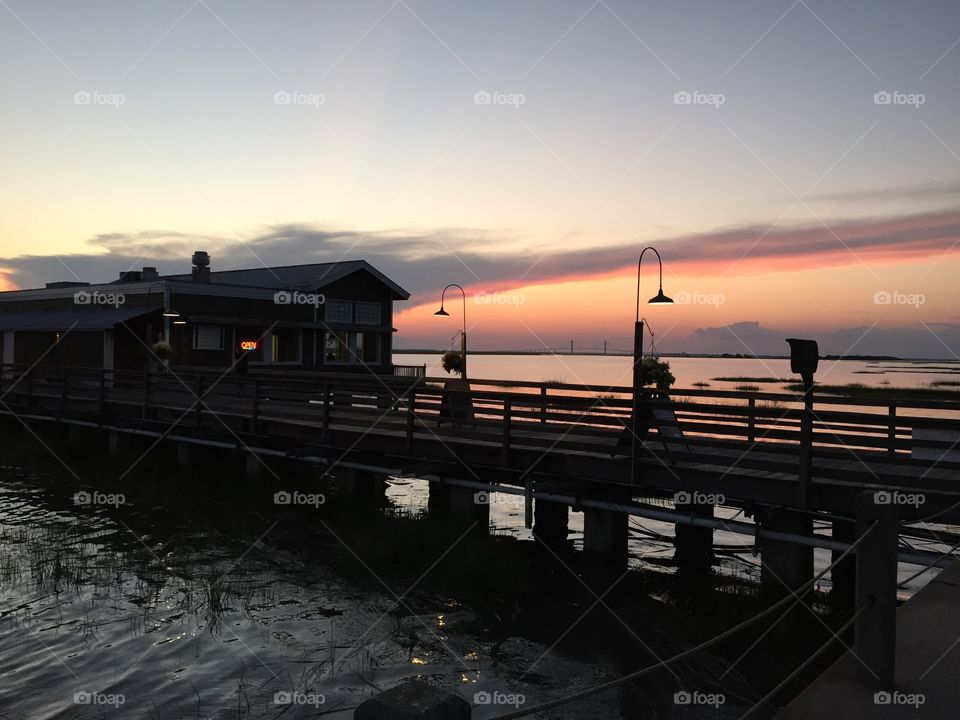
[[561, 416]]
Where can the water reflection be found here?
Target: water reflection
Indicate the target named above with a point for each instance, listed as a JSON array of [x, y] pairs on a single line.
[[158, 610]]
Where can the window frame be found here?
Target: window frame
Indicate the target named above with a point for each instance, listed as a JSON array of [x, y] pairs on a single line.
[[196, 337], [330, 303], [368, 304], [273, 347]]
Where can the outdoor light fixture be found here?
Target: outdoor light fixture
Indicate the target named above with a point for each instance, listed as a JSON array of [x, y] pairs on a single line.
[[171, 314], [658, 299], [180, 322], [463, 335]]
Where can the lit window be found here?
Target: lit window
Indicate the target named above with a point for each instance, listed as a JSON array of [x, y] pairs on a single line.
[[336, 347], [286, 346], [253, 338]]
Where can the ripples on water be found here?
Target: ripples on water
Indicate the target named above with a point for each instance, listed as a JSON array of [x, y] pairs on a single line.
[[165, 617], [183, 607]]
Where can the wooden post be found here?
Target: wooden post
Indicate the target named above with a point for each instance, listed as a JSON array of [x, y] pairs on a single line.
[[875, 630], [751, 419], [507, 406], [101, 391], [327, 401], [806, 447], [528, 503], [255, 410], [785, 566], [892, 429], [199, 394], [411, 418], [64, 384], [146, 394], [543, 405]]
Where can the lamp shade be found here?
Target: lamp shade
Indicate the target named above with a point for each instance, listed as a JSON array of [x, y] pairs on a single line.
[[442, 312], [660, 299]]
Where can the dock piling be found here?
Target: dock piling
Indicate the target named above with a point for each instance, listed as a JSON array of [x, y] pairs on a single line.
[[875, 630], [785, 566]]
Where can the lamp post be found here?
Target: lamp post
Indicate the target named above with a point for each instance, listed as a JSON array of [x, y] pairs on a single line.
[[658, 299], [463, 334], [168, 313]]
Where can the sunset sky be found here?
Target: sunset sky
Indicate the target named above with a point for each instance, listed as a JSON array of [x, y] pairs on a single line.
[[797, 164]]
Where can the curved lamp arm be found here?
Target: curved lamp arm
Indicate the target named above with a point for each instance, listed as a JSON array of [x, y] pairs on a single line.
[[443, 295], [660, 263]]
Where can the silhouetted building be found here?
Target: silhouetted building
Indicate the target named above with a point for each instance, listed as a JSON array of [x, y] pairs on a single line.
[[327, 316]]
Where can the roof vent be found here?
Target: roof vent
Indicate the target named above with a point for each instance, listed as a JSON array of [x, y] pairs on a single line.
[[149, 273], [130, 276], [201, 266]]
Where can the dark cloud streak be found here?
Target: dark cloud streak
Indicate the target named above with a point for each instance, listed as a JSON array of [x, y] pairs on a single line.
[[423, 261]]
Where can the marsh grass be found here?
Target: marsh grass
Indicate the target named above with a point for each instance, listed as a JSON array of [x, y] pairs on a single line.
[[748, 379], [886, 392]]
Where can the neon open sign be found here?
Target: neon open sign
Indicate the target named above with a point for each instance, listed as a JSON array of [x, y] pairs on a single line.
[[248, 344]]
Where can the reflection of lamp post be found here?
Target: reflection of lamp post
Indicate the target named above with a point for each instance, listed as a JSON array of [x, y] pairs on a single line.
[[463, 334], [658, 299]]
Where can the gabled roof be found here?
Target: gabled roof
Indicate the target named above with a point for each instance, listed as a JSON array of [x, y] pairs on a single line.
[[300, 277]]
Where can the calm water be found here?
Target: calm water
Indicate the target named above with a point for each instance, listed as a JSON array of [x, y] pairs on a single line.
[[612, 370], [171, 608]]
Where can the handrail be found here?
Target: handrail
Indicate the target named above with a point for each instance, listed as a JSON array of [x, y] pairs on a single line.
[[309, 377], [838, 423]]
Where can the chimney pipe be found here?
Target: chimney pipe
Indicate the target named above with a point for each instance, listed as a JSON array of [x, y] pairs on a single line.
[[201, 266]]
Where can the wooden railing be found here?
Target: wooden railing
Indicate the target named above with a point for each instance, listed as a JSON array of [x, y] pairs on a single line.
[[410, 370], [718, 426]]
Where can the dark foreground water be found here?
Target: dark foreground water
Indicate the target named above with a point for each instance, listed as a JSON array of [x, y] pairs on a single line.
[[158, 608], [198, 597]]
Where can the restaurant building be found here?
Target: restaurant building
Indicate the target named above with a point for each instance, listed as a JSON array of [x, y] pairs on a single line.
[[334, 316]]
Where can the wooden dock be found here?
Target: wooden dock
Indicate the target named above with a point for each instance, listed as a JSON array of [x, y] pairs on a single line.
[[867, 467], [928, 663], [743, 445]]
